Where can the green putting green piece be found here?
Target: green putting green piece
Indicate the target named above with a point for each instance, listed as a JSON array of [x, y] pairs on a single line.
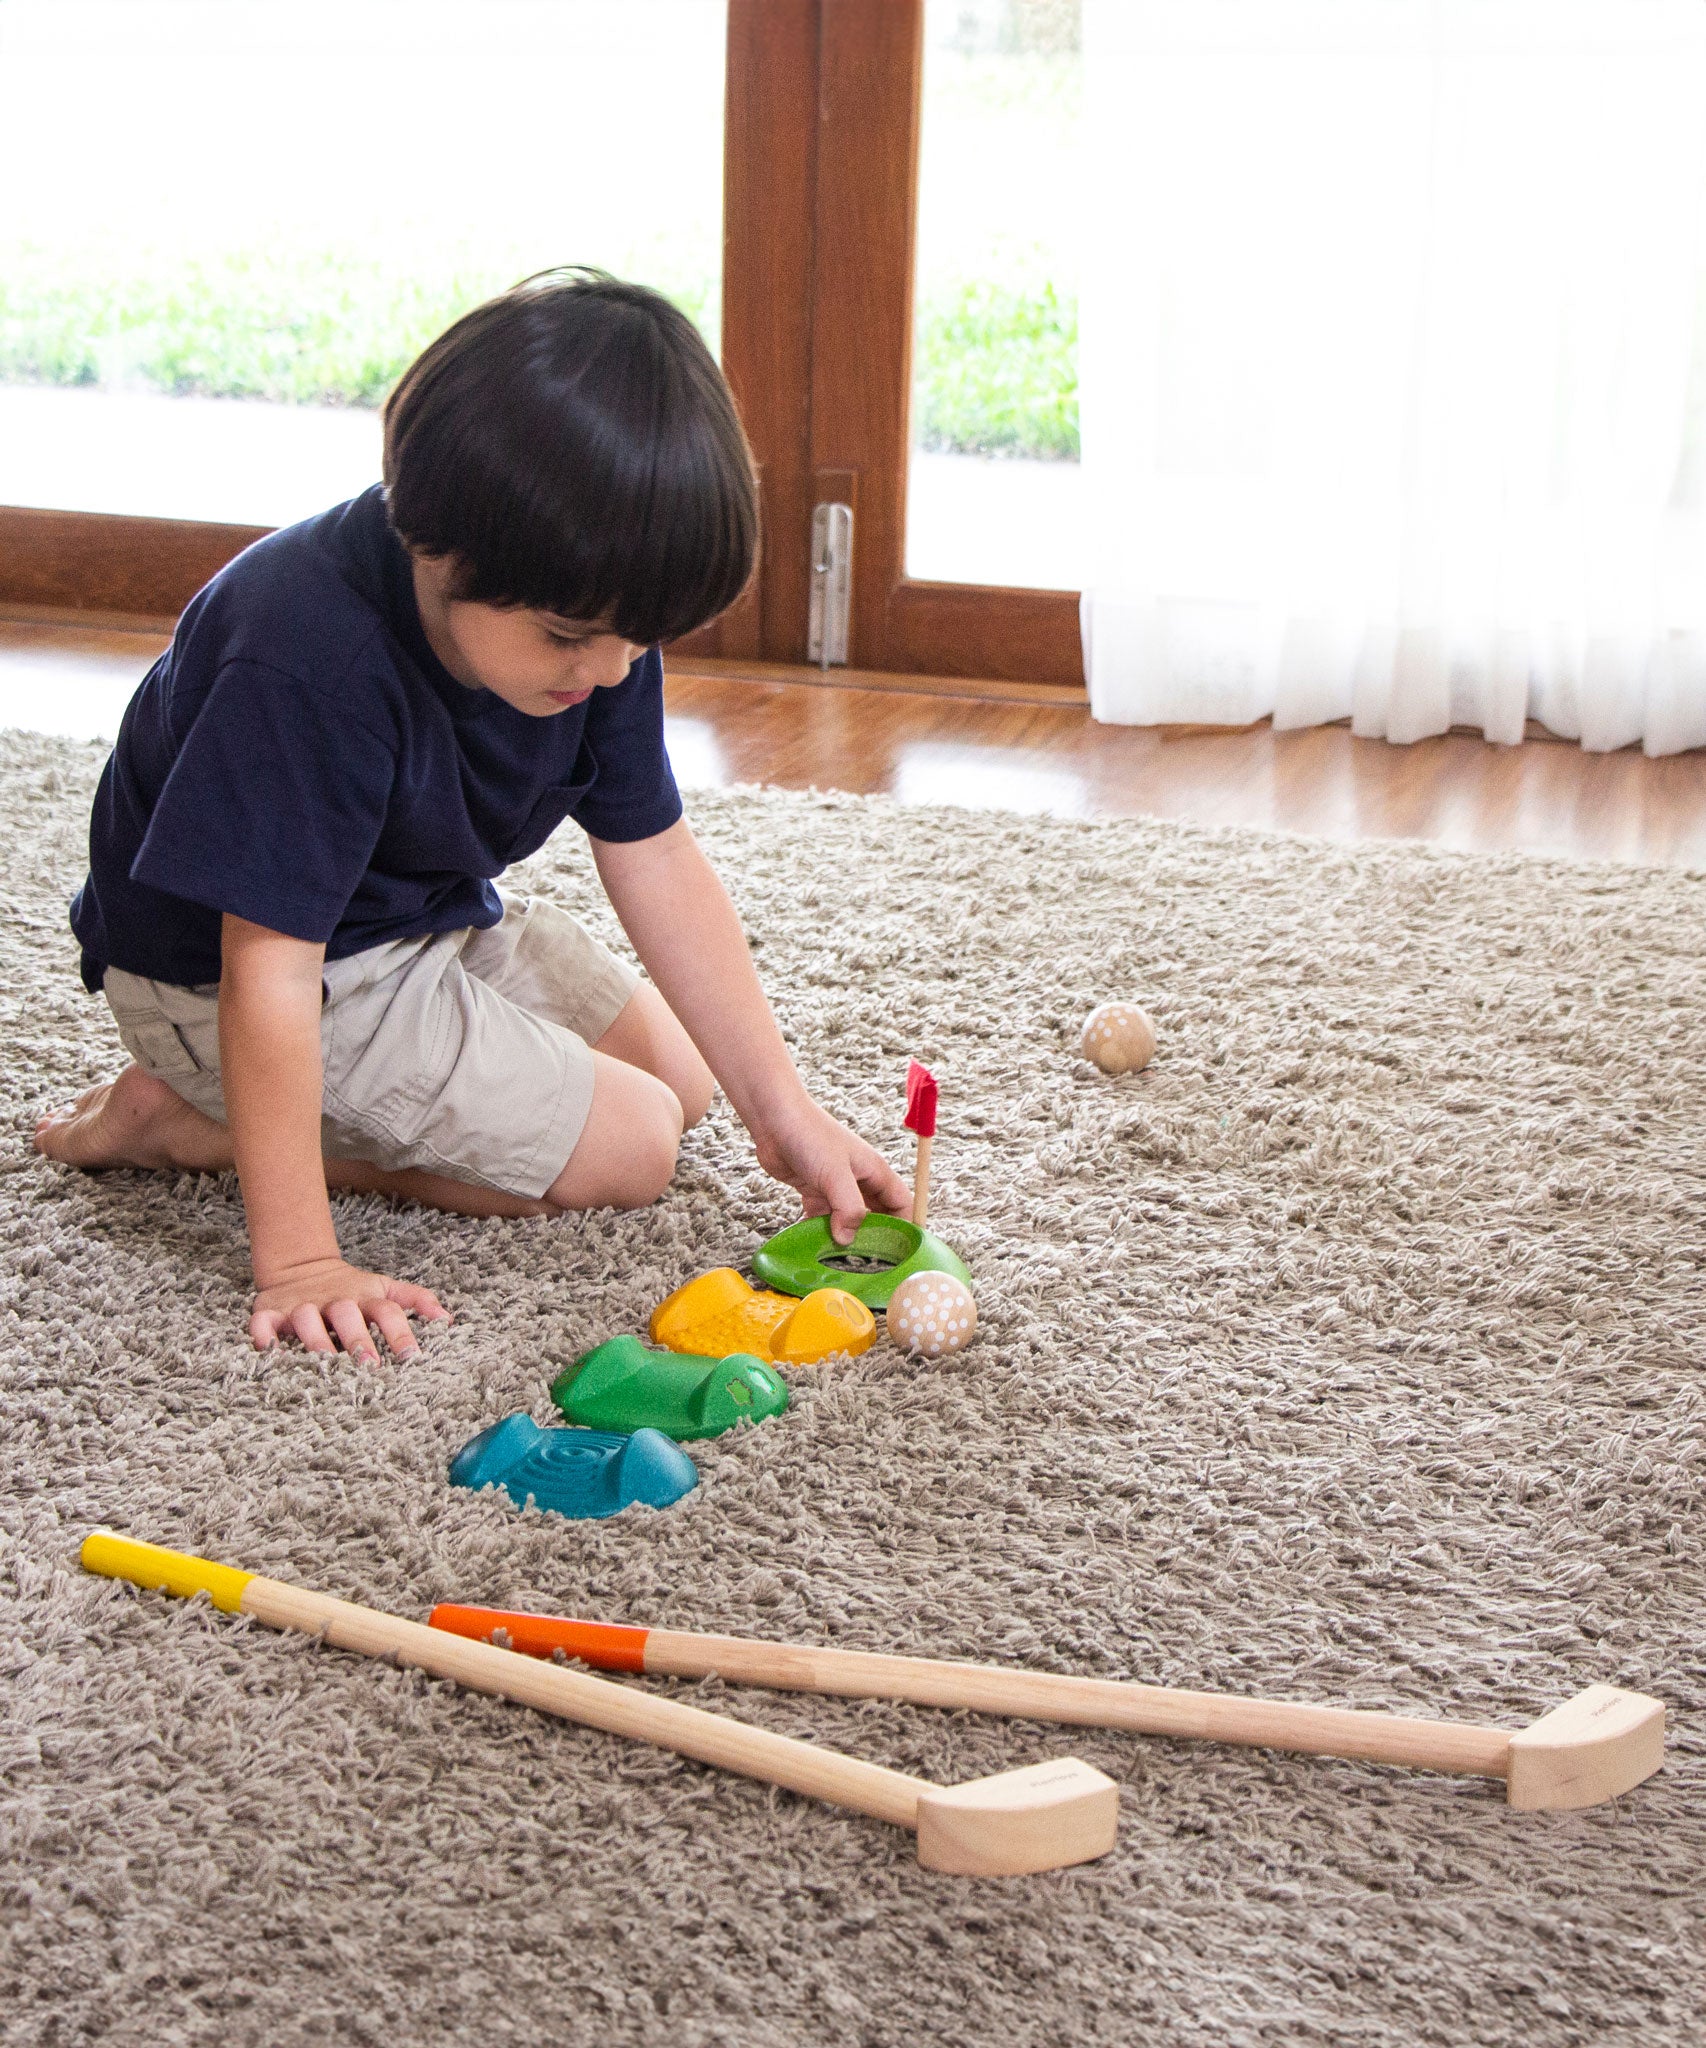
[[886, 1251], [625, 1385]]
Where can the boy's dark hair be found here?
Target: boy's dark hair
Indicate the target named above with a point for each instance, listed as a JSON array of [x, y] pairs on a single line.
[[572, 445]]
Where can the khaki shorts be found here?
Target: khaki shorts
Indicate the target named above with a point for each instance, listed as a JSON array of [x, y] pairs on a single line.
[[466, 1054]]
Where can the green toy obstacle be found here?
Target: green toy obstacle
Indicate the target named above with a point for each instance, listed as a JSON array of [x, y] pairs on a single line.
[[624, 1384], [885, 1251]]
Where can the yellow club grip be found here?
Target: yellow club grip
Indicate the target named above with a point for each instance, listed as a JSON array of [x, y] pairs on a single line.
[[167, 1571]]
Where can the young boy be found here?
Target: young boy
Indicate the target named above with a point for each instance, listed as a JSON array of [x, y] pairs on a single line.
[[359, 724]]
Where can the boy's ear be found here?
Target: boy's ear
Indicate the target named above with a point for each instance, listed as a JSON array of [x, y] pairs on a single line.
[[446, 576]]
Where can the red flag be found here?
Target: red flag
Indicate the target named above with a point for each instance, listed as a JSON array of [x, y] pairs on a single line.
[[920, 1100]]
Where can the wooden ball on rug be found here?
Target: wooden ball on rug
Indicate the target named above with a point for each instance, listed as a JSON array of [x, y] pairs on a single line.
[[932, 1314], [1118, 1037]]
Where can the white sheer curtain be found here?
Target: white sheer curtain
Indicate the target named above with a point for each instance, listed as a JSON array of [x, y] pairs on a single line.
[[1393, 365]]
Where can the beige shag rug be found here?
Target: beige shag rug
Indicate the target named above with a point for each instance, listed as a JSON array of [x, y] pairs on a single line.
[[1353, 1352]]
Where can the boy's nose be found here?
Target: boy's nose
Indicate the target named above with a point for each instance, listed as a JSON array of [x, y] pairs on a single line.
[[612, 663]]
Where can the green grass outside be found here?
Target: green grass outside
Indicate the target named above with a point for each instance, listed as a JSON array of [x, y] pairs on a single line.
[[995, 372], [995, 368]]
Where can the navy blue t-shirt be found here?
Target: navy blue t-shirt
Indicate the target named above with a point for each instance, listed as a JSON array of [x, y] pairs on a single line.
[[300, 757]]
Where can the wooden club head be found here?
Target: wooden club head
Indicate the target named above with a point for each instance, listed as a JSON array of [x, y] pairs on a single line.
[[1591, 1748], [1043, 1817]]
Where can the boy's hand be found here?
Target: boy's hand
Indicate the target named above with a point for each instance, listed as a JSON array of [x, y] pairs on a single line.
[[330, 1292], [837, 1174], [269, 1044]]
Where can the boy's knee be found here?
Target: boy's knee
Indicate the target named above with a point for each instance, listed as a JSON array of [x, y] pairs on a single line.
[[626, 1156], [649, 1036], [650, 1164]]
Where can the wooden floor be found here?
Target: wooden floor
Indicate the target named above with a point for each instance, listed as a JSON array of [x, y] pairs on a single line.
[[1546, 796]]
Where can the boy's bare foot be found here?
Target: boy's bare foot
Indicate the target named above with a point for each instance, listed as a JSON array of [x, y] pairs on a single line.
[[135, 1120]]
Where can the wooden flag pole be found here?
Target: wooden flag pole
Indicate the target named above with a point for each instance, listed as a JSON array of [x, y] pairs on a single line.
[[921, 1183], [921, 1119]]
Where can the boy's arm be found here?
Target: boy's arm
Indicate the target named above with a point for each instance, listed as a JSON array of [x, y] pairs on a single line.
[[269, 1056], [689, 937]]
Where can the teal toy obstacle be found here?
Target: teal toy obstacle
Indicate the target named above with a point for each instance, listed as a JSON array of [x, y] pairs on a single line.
[[582, 1473]]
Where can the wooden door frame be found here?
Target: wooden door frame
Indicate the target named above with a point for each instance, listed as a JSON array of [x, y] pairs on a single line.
[[102, 562], [870, 117], [825, 97], [823, 109]]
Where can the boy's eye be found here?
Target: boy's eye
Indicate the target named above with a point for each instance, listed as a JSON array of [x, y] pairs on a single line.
[[565, 639]]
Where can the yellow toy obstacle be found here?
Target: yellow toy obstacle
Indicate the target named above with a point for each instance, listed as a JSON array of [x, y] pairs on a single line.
[[721, 1313]]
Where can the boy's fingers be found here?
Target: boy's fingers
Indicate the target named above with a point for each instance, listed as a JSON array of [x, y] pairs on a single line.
[[419, 1301], [886, 1192], [352, 1331], [846, 1206], [264, 1327], [305, 1322], [393, 1327], [883, 1188]]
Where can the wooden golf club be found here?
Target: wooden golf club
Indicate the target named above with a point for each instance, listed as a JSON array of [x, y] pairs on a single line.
[[1042, 1817], [1592, 1747]]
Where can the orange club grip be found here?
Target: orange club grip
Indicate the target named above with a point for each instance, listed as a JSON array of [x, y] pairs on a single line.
[[603, 1645]]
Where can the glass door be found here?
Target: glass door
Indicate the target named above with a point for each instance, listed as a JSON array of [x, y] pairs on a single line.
[[992, 479]]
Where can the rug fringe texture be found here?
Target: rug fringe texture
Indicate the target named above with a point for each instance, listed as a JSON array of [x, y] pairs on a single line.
[[1352, 1352]]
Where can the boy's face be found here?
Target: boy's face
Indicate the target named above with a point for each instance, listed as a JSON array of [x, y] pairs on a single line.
[[540, 663]]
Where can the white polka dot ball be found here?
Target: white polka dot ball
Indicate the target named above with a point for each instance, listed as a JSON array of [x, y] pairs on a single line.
[[1118, 1037], [932, 1314]]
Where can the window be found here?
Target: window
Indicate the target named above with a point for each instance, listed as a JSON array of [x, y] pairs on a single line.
[[993, 477], [251, 278], [231, 223]]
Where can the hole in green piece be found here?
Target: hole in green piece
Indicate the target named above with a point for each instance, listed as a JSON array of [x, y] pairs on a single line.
[[883, 1253], [738, 1390]]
